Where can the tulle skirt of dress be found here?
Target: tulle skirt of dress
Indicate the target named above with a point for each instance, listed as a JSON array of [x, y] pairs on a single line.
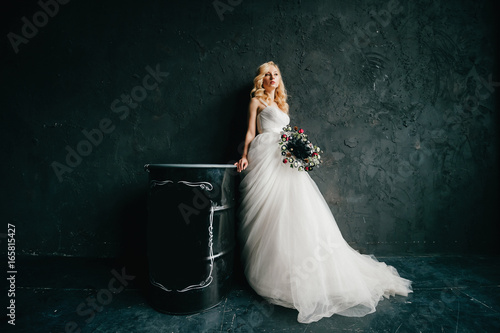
[[292, 250]]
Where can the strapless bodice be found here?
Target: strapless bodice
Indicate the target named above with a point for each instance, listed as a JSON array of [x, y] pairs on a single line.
[[271, 119]]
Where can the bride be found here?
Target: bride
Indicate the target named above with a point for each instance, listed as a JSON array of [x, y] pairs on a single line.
[[292, 250]]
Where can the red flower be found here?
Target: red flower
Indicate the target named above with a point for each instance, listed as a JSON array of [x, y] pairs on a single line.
[[306, 168], [285, 161], [301, 131], [314, 154]]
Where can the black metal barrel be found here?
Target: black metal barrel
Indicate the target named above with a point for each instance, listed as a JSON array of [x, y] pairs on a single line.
[[190, 235]]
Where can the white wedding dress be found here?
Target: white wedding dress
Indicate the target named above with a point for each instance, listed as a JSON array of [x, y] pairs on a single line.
[[292, 250]]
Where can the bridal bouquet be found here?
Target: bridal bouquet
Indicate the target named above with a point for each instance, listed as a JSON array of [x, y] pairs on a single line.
[[297, 150]]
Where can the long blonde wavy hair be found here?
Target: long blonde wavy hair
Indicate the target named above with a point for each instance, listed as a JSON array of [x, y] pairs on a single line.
[[280, 95]]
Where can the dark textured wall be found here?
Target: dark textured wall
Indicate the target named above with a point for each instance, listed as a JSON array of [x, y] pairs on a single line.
[[400, 95]]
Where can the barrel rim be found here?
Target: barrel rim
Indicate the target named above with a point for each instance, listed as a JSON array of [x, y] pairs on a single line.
[[189, 166]]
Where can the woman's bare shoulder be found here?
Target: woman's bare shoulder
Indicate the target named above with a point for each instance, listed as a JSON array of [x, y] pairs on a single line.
[[255, 101], [255, 105]]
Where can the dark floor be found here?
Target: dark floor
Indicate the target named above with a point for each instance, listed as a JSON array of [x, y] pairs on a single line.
[[451, 294]]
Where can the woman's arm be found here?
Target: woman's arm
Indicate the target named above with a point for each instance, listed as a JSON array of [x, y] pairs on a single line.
[[251, 132]]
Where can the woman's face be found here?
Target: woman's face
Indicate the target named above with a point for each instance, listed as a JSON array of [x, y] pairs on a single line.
[[271, 79]]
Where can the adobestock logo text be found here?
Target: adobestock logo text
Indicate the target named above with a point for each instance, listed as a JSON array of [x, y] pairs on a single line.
[[94, 137], [29, 30]]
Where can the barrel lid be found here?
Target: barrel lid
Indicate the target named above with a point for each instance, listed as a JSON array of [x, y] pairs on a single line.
[[188, 166]]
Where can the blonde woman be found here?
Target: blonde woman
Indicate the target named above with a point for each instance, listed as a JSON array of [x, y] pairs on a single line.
[[292, 250]]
